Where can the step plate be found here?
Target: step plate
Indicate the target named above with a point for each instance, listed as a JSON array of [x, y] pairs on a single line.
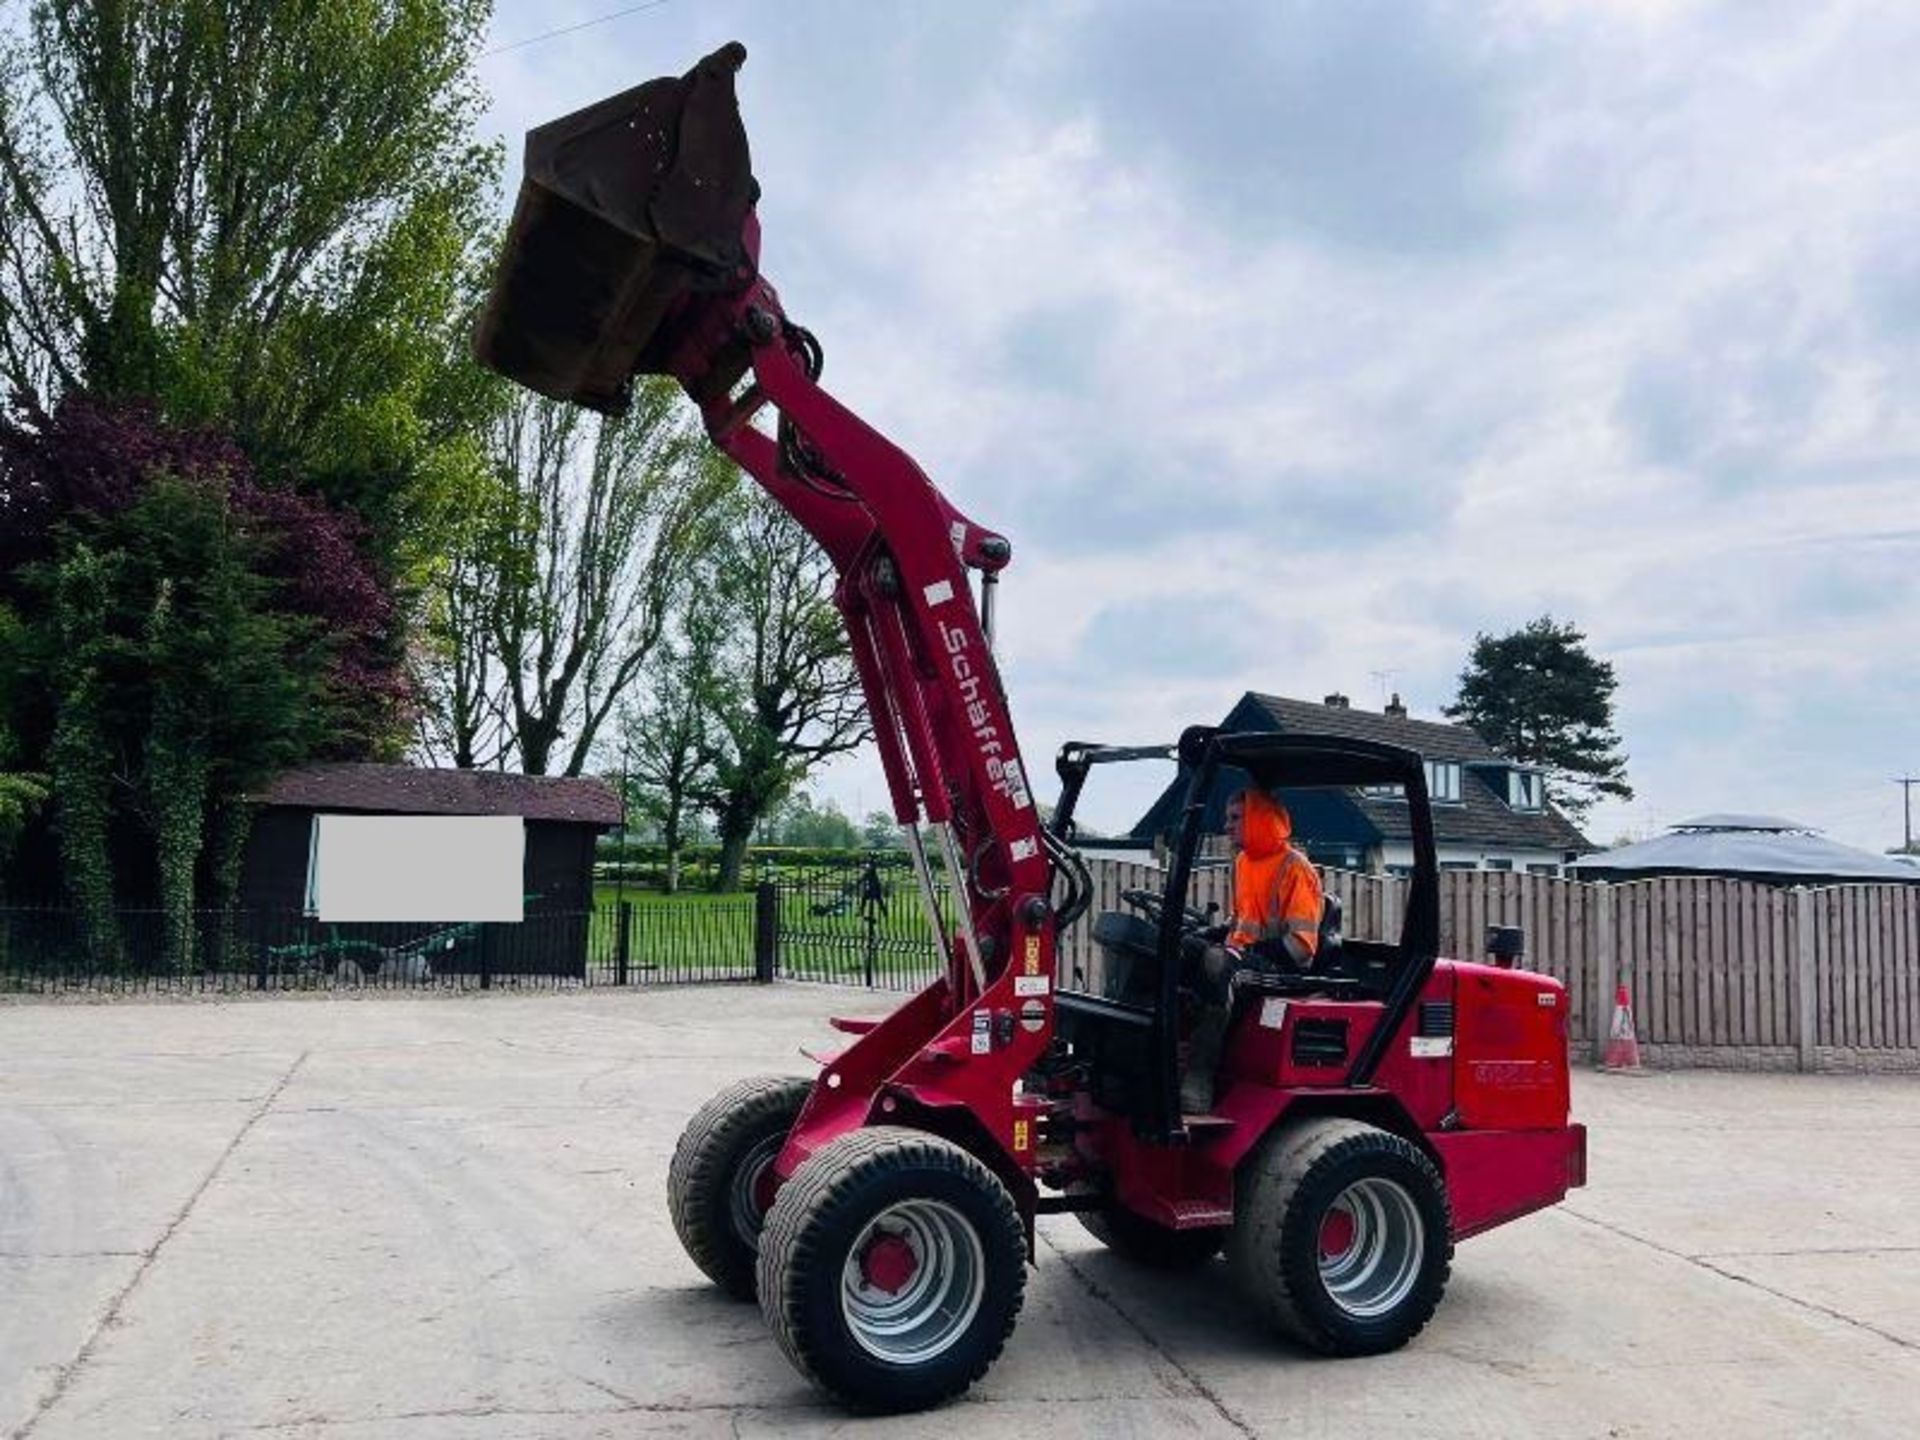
[[1198, 1215]]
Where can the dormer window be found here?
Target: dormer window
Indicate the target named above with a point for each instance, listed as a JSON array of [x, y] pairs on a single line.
[[1443, 785], [1526, 790]]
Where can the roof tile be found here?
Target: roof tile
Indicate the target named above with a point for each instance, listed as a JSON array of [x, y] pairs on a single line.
[[1480, 818]]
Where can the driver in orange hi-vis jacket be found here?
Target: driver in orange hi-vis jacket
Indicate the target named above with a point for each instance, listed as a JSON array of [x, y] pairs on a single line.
[[1277, 901], [1276, 890]]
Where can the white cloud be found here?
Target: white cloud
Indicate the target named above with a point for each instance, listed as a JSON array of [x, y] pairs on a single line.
[[1610, 311]]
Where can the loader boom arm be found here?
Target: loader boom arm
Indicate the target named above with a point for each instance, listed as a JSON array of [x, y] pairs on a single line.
[[905, 556], [635, 249]]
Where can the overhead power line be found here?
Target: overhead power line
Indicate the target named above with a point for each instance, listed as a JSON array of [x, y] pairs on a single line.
[[570, 29]]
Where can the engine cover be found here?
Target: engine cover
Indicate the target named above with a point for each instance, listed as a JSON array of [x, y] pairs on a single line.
[[1510, 1049]]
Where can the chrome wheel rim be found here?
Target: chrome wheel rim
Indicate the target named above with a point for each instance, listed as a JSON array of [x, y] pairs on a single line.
[[1372, 1242], [744, 1207], [913, 1281]]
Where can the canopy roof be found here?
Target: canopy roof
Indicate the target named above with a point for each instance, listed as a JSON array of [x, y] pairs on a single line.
[[1756, 847], [1732, 820]]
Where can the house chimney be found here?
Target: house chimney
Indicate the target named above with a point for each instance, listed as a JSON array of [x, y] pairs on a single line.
[[1336, 701], [1395, 708]]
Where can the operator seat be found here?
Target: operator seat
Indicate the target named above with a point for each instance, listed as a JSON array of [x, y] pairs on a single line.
[[1129, 948], [1330, 954], [1330, 974]]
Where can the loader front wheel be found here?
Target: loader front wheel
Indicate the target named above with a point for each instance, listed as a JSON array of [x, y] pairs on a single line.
[[892, 1268], [721, 1179], [1342, 1237]]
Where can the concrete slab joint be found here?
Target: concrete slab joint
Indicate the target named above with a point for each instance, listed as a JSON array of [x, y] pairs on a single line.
[[67, 1374]]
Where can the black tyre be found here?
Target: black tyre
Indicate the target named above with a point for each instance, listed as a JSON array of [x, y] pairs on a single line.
[[892, 1268], [1342, 1236], [1145, 1243], [718, 1184]]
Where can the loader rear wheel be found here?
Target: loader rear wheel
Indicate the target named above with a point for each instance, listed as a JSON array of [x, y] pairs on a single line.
[[721, 1179], [1140, 1240], [892, 1268], [1343, 1236]]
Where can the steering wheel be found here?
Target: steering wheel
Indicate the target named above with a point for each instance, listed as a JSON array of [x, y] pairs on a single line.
[[1150, 903]]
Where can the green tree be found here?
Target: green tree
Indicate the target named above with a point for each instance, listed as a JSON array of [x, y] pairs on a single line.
[[559, 591], [880, 831], [264, 213], [794, 698], [671, 736], [179, 688], [801, 820], [22, 796], [22, 792], [1538, 696], [79, 754], [462, 719]]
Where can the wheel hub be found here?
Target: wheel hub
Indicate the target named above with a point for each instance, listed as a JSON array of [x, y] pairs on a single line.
[[1336, 1234], [1372, 1244], [913, 1281], [751, 1193], [766, 1185], [888, 1263]]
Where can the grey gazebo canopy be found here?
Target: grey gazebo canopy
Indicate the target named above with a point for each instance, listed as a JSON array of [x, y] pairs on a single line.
[[1747, 847]]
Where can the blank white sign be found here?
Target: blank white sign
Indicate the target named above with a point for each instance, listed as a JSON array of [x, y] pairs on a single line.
[[369, 868]]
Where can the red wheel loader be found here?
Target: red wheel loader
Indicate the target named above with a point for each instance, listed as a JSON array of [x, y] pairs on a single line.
[[1370, 1113]]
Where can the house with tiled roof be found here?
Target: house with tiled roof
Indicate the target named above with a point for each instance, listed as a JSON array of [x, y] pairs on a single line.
[[1489, 812]]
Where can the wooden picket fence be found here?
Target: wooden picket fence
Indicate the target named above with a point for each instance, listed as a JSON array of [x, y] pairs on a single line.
[[1721, 972]]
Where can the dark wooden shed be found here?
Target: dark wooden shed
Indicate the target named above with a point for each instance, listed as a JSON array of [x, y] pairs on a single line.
[[563, 816]]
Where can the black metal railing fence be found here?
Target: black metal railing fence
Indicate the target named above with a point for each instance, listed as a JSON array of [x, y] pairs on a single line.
[[47, 949], [860, 921]]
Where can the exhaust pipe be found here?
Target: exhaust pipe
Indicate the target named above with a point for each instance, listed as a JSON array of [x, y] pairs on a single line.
[[626, 209]]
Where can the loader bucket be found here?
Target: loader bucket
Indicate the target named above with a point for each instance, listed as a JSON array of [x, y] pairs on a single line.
[[625, 208]]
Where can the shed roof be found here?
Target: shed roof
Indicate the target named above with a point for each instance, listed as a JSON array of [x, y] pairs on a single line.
[[411, 790]]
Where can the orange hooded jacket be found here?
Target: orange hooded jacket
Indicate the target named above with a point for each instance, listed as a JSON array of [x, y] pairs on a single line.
[[1276, 890]]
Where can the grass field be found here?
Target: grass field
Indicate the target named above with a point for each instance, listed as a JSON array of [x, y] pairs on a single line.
[[824, 932]]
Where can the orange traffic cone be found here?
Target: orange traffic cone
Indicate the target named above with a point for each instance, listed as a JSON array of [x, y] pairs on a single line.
[[1623, 1050]]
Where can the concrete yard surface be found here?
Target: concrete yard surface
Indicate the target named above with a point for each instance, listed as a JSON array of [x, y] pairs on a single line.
[[445, 1217]]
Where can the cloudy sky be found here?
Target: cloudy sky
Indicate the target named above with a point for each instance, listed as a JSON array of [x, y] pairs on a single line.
[[1294, 343]]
